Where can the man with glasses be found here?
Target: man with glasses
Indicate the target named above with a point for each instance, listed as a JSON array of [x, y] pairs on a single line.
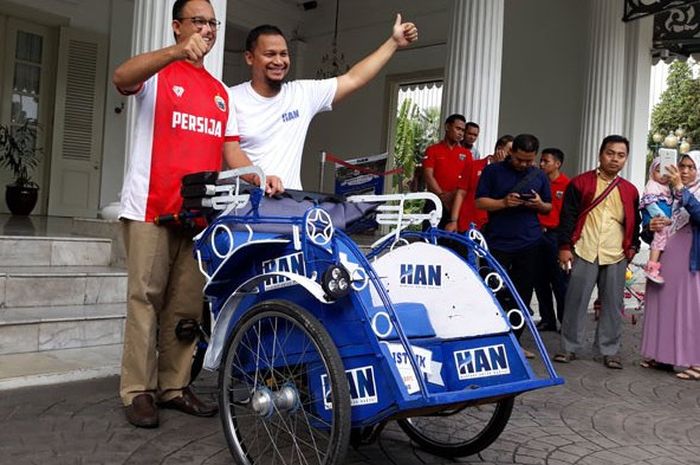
[[274, 115], [185, 124]]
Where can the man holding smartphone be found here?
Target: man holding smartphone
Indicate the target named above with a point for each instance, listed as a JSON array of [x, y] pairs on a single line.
[[514, 192]]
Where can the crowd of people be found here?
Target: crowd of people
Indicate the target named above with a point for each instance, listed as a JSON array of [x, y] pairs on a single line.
[[555, 236], [564, 237]]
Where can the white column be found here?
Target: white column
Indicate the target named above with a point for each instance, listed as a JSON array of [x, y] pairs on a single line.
[[604, 92], [152, 30], [639, 35], [214, 61], [473, 69]]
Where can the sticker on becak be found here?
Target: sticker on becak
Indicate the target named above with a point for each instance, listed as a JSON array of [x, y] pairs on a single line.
[[220, 102], [481, 362], [363, 388], [424, 359]]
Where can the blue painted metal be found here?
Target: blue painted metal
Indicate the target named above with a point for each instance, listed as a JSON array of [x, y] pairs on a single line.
[[470, 369]]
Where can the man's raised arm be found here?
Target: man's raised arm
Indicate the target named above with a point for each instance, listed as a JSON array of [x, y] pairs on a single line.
[[365, 70], [130, 75]]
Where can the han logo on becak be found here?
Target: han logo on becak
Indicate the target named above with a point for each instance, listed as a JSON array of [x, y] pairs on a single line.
[[194, 123], [293, 263], [481, 362], [419, 274], [363, 389]]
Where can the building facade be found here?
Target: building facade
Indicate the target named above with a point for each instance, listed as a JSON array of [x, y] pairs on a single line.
[[568, 71]]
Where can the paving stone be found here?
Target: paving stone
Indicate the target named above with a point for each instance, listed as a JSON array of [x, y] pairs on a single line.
[[600, 417]]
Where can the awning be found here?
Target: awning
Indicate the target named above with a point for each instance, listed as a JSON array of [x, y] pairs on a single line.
[[676, 25], [678, 30], [635, 9]]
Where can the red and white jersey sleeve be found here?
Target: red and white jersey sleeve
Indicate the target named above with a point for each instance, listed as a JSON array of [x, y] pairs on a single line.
[[184, 115]]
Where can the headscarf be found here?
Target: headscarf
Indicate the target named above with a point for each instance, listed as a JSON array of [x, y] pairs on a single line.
[[681, 217], [654, 191]]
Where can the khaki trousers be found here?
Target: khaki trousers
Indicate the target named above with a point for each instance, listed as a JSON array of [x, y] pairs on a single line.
[[164, 286]]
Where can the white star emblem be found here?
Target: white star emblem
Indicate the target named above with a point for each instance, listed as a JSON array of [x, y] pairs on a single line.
[[319, 226]]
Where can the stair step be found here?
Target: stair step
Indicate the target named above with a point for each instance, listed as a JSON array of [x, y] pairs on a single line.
[[38, 329], [55, 251], [59, 366], [27, 286]]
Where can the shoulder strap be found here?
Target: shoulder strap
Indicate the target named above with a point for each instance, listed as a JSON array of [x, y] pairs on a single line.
[[525, 181], [601, 197]]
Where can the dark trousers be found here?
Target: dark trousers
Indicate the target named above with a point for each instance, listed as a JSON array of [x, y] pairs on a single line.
[[551, 281], [522, 268]]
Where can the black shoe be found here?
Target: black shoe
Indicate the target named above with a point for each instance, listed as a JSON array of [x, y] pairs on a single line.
[[190, 404], [545, 326], [142, 412]]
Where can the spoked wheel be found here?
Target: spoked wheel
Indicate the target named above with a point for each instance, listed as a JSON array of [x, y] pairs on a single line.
[[283, 392], [459, 432]]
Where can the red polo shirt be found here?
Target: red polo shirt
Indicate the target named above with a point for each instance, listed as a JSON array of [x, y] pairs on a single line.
[[551, 219], [447, 163], [468, 181]]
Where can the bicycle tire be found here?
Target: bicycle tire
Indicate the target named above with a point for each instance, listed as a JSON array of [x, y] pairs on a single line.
[[312, 439], [420, 429]]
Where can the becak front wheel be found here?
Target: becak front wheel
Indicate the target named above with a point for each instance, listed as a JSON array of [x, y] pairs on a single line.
[[269, 393]]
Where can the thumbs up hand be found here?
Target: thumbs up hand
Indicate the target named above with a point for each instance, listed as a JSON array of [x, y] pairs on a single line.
[[404, 33]]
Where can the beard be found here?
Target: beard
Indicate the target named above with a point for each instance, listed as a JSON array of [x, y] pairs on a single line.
[[274, 84]]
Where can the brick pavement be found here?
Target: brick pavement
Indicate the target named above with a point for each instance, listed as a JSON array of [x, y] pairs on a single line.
[[600, 416]]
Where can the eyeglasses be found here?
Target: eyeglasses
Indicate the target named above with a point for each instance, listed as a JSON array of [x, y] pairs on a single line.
[[200, 22], [688, 166]]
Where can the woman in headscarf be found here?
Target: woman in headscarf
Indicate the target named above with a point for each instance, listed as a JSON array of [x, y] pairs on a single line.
[[672, 311]]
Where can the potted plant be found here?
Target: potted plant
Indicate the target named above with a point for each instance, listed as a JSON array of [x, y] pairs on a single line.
[[19, 154]]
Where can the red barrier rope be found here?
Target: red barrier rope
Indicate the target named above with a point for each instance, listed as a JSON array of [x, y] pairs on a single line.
[[361, 169]]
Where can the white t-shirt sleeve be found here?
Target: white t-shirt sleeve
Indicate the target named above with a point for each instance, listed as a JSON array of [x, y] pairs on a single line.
[[321, 93], [147, 89], [232, 132]]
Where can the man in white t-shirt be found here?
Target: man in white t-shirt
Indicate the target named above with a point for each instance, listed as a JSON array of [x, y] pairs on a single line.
[[274, 116]]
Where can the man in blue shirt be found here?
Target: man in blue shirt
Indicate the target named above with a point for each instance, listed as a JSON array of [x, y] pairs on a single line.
[[513, 192]]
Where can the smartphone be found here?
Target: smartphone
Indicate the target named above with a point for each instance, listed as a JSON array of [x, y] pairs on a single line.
[[527, 196], [667, 157]]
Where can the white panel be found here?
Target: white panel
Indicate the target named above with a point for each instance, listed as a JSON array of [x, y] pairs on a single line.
[[458, 303]]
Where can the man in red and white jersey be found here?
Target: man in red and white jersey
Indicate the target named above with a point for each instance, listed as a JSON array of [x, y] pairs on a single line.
[[186, 124]]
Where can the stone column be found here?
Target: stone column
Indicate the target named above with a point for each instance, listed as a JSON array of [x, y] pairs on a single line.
[[604, 93], [639, 36], [473, 68]]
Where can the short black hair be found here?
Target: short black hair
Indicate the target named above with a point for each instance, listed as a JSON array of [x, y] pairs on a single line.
[[614, 139], [555, 152], [503, 141], [262, 30], [452, 118], [526, 143], [178, 6], [472, 124]]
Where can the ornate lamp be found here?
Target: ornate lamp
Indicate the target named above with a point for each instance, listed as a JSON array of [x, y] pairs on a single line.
[[333, 62], [671, 141], [684, 147]]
